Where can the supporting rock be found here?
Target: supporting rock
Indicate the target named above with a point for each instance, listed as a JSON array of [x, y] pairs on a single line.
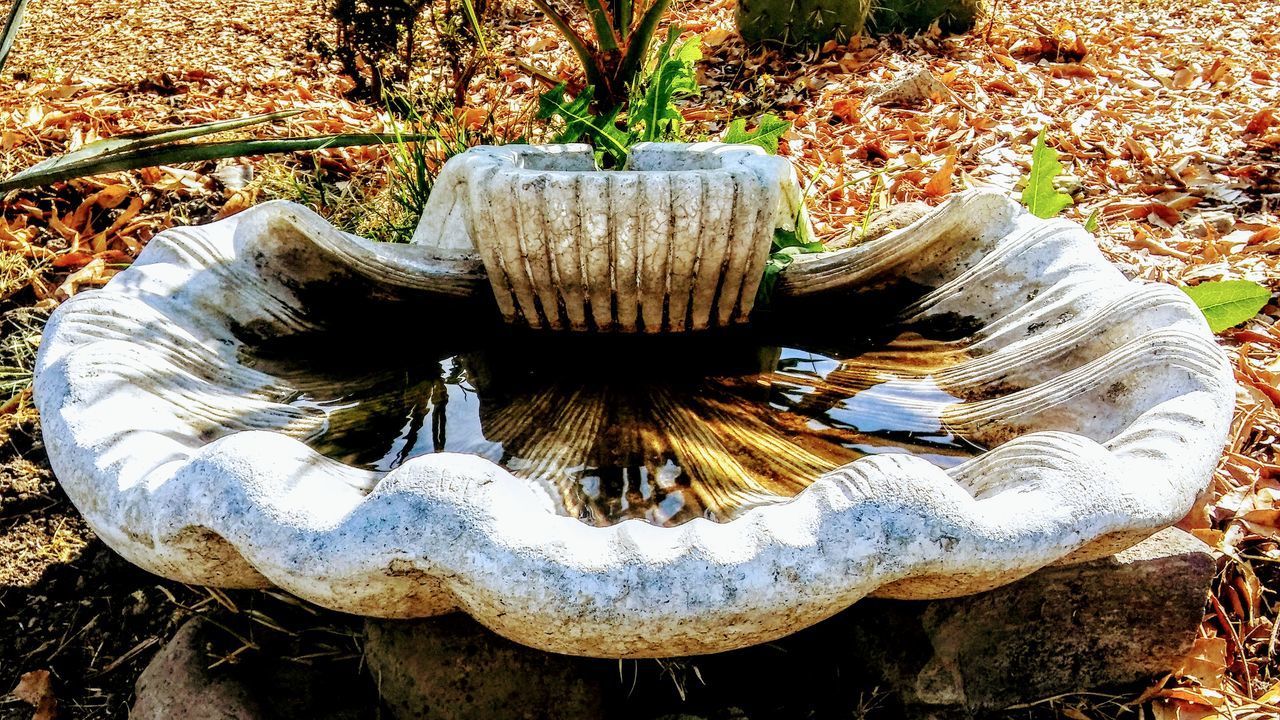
[[452, 668], [178, 683], [1103, 624], [1106, 624]]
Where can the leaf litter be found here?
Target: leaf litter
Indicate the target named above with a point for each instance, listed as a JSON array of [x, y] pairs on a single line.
[[1162, 113]]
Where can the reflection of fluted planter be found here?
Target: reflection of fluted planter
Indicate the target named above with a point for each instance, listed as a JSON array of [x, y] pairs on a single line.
[[1103, 403], [677, 240]]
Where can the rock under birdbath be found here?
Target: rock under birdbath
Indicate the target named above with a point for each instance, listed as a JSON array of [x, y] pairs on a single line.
[[1111, 624]]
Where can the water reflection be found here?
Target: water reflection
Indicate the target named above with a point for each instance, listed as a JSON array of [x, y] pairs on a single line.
[[663, 429]]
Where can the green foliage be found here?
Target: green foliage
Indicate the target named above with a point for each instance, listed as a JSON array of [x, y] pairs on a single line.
[[19, 339], [768, 132], [1091, 225], [376, 40], [654, 116], [460, 29], [1040, 196], [615, 60], [164, 147], [786, 245], [651, 111], [10, 32], [580, 124], [416, 159], [1227, 303]]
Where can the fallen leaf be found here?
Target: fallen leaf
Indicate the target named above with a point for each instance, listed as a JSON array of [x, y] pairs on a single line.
[[940, 183], [36, 689]]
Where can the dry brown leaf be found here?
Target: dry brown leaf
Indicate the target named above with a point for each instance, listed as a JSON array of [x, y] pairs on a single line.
[[36, 689], [940, 183]]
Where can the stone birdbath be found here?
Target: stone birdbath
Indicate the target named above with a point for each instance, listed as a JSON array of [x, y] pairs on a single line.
[[559, 410]]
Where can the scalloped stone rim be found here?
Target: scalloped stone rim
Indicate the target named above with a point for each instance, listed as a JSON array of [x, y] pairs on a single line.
[[1117, 406]]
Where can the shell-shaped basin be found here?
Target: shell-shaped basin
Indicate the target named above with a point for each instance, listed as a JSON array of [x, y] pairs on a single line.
[[971, 398]]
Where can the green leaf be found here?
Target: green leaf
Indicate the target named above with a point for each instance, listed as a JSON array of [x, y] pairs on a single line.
[[772, 271], [575, 113], [1227, 303], [134, 158], [579, 122], [638, 41], [655, 116], [768, 132], [1040, 197], [10, 32], [133, 142], [1091, 225]]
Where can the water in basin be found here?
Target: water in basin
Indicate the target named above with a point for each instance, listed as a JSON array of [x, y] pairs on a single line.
[[659, 428]]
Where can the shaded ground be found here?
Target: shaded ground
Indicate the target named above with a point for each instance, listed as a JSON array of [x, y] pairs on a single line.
[[1162, 111]]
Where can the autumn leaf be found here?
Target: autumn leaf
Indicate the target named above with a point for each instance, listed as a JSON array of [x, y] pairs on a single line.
[[940, 183], [35, 689], [1227, 303], [1040, 196]]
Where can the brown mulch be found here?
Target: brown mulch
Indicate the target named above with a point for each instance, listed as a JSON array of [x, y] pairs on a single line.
[[1164, 113]]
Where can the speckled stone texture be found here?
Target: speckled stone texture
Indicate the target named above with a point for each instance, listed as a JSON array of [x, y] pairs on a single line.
[[1113, 405], [1109, 625], [675, 241]]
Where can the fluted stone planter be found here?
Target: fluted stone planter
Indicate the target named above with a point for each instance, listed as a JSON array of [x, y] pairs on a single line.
[[677, 240], [1028, 406]]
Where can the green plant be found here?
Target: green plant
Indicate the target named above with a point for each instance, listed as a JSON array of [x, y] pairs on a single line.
[[1227, 303], [803, 24], [10, 32], [165, 147], [768, 132], [19, 339], [650, 113], [623, 31], [414, 164], [916, 16], [787, 244], [1040, 196], [376, 41], [459, 26]]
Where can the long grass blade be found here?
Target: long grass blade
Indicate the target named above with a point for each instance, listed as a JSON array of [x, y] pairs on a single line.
[[132, 142], [11, 29], [474, 19], [193, 152]]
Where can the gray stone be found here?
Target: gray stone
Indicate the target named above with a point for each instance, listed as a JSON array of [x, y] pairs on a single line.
[[894, 217], [178, 683], [1102, 624], [452, 667]]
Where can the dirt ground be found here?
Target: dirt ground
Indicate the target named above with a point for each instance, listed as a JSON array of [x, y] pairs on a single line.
[[1163, 112]]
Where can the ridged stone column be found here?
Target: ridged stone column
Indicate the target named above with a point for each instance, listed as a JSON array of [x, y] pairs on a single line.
[[676, 241]]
